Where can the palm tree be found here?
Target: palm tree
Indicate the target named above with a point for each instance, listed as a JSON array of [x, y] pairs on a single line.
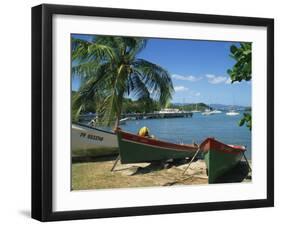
[[110, 70]]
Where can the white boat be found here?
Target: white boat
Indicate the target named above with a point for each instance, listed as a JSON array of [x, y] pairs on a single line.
[[216, 111], [123, 121], [87, 140], [232, 113], [196, 109], [207, 112]]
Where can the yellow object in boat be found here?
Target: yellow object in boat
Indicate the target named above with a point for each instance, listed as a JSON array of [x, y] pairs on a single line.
[[144, 131]]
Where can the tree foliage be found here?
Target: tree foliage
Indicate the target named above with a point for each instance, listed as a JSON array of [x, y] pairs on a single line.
[[242, 70], [247, 120], [140, 106], [191, 107], [110, 70]]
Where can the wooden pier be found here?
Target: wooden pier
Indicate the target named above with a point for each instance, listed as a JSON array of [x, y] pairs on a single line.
[[139, 116], [157, 115]]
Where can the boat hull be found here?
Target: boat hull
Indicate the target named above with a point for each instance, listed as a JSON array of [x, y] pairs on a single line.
[[207, 113], [220, 158], [90, 141], [135, 149], [232, 113]]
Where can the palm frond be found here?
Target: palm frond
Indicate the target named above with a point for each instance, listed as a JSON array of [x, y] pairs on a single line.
[[87, 51], [136, 88], [98, 83], [156, 79], [136, 47], [85, 70]]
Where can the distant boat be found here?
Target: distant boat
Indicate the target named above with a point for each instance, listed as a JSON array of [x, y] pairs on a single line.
[[123, 121], [216, 111], [95, 122], [220, 157], [92, 141], [208, 112], [196, 109], [135, 149], [232, 113]]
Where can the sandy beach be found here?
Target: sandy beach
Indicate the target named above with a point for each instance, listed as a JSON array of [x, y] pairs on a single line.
[[96, 174]]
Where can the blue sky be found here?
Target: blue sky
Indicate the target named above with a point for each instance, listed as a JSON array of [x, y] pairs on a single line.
[[198, 70]]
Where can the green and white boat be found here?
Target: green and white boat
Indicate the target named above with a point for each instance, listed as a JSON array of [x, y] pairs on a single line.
[[136, 149], [220, 158]]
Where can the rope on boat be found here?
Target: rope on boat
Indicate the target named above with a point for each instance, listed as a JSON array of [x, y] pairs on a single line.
[[247, 161], [196, 153]]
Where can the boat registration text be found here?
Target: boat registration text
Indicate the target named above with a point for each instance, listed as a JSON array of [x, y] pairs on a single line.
[[91, 137]]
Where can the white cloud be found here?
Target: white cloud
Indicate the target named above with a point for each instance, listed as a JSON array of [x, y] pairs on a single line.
[[210, 76], [189, 78], [228, 81], [197, 94], [180, 88], [213, 79]]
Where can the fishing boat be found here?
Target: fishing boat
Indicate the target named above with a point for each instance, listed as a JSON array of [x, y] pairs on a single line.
[[136, 149], [91, 141], [220, 157]]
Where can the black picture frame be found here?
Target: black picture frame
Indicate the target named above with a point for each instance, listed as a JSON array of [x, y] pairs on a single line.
[[42, 111]]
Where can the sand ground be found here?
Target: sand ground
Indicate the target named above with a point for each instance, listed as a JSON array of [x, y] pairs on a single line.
[[97, 174]]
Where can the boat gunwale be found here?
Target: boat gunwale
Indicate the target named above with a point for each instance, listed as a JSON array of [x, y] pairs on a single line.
[[93, 128], [236, 149], [151, 142]]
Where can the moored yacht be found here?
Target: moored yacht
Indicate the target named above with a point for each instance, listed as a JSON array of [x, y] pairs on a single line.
[[232, 113], [208, 112]]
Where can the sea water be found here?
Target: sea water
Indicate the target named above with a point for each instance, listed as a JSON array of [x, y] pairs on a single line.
[[188, 130]]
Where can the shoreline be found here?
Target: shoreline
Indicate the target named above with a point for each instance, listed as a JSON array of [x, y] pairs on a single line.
[[97, 174]]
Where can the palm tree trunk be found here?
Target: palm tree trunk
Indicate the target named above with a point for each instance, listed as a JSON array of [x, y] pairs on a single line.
[[117, 122], [119, 110]]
